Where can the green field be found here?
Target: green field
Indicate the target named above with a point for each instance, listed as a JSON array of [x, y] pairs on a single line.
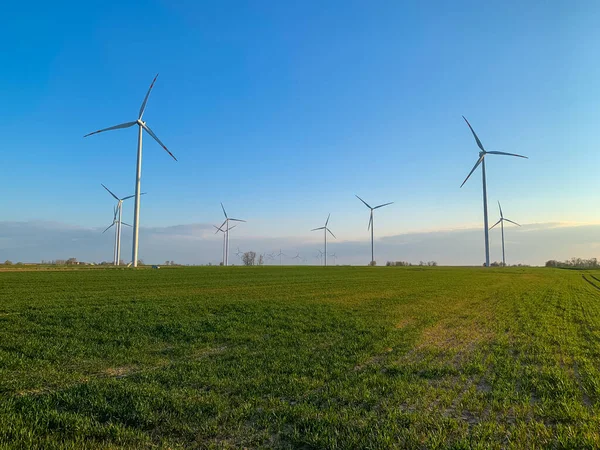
[[311, 357]]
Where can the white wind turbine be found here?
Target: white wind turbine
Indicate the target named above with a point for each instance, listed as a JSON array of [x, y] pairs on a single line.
[[319, 256], [119, 213], [501, 222], [141, 126], [481, 161], [117, 224], [224, 236], [325, 230], [371, 221], [280, 254], [297, 256], [334, 256], [227, 228]]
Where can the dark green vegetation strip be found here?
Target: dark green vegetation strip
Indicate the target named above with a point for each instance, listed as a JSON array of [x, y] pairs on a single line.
[[300, 358]]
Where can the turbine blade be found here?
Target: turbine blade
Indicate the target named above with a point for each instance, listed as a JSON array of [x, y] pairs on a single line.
[[223, 208], [370, 220], [116, 127], [143, 107], [320, 228], [127, 225], [108, 228], [508, 154], [131, 196], [474, 135], [500, 207], [327, 221], [515, 223], [473, 169], [366, 204], [237, 220], [331, 233], [116, 198], [231, 228], [385, 204], [495, 224], [151, 133], [218, 229]]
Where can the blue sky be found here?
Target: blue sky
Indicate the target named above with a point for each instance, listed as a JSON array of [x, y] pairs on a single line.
[[285, 111]]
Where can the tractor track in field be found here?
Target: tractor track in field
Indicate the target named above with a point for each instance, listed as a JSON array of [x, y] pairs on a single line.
[[590, 282]]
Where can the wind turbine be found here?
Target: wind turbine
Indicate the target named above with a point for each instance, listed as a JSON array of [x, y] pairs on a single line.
[[138, 174], [297, 256], [481, 161], [371, 220], [280, 254], [119, 212], [334, 256], [239, 253], [501, 222], [118, 223], [227, 219], [224, 234], [319, 256], [325, 230]]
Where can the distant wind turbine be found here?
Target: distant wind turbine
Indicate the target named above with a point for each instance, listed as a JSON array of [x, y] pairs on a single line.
[[481, 161], [224, 234], [280, 254], [501, 222], [239, 253], [334, 256], [325, 231], [117, 224], [142, 126], [119, 213], [226, 222], [371, 221], [297, 256], [319, 256]]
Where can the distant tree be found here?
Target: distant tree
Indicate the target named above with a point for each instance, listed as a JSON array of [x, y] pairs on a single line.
[[173, 263], [261, 260], [167, 262], [140, 262], [8, 263], [71, 261], [248, 258], [19, 263], [373, 263], [432, 263]]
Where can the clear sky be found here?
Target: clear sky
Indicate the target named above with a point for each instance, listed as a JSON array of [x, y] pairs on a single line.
[[284, 110]]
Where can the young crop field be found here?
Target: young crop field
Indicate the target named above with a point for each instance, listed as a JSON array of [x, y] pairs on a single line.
[[300, 357]]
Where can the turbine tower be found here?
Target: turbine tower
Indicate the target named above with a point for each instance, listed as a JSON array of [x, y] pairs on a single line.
[[227, 228], [119, 213], [138, 173], [325, 231], [501, 222], [371, 221], [481, 161]]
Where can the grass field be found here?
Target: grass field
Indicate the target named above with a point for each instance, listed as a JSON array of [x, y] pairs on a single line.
[[305, 357]]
